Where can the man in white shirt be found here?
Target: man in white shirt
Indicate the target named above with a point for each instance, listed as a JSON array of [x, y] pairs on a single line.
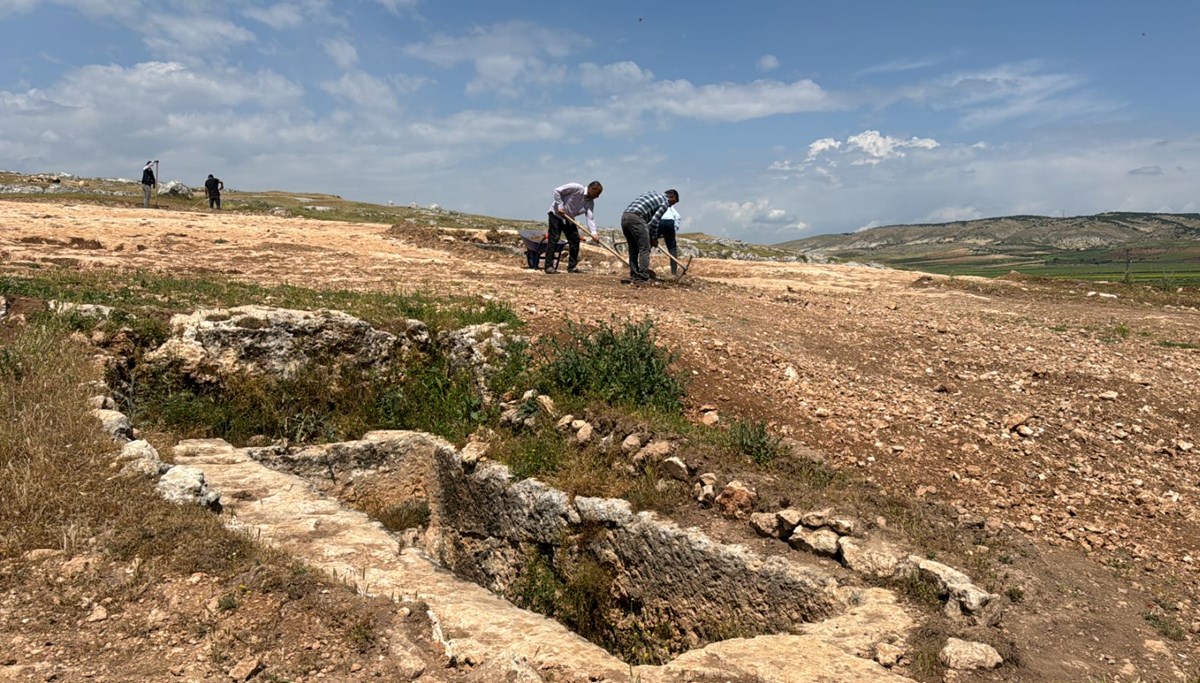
[[571, 200]]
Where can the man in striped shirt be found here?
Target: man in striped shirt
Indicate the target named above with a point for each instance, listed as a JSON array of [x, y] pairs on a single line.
[[570, 200], [640, 225]]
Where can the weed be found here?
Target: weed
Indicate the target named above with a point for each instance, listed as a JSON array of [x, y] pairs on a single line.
[[538, 586], [540, 453], [921, 591], [227, 602], [622, 365], [1015, 594], [361, 633], [410, 514], [754, 441], [1166, 625], [1177, 345], [11, 365]]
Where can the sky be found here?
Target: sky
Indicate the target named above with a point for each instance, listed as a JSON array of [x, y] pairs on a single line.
[[775, 120]]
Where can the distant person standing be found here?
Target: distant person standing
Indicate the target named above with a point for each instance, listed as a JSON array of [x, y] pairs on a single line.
[[571, 200], [148, 183], [212, 190], [668, 227], [640, 223]]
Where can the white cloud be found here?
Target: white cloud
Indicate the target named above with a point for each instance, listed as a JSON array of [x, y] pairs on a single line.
[[753, 215], [195, 36], [1011, 91], [342, 52], [280, 16], [950, 214], [363, 90], [398, 6], [898, 65], [617, 77], [507, 57], [879, 147], [816, 147], [732, 102], [767, 63], [874, 223]]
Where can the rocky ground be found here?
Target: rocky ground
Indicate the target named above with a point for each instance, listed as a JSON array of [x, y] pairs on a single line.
[[1056, 420]]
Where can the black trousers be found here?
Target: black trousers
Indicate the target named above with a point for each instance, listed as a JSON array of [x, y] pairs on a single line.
[[561, 226], [666, 232]]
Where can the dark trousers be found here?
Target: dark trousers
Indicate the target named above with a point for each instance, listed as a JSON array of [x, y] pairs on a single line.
[[666, 232], [566, 228], [637, 236], [214, 202]]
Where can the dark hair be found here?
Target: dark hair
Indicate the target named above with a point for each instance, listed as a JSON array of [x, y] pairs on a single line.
[[673, 193], [595, 185]]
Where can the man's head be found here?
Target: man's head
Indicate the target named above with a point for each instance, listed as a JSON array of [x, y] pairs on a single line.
[[672, 197], [210, 175], [594, 189]]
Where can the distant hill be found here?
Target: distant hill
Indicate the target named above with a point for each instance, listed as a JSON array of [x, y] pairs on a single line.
[[1098, 246]]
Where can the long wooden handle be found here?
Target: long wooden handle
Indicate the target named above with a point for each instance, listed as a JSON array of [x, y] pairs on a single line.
[[598, 240]]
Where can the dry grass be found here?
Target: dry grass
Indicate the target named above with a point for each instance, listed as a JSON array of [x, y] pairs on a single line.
[[51, 451]]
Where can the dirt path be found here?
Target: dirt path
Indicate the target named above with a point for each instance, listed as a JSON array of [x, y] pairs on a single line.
[[1053, 410]]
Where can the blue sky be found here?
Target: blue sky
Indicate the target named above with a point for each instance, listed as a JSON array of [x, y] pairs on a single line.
[[774, 120]]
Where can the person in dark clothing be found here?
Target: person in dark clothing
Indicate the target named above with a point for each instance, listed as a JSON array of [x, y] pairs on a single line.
[[212, 190], [668, 226], [639, 223], [148, 183]]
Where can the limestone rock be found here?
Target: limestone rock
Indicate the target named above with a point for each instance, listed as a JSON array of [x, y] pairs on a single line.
[[631, 444], [676, 468], [953, 583], [765, 524], [245, 669], [788, 520], [816, 518], [278, 342], [83, 310], [871, 559], [584, 435], [822, 541], [962, 655], [101, 403], [888, 655], [141, 459], [186, 486], [175, 189], [115, 424]]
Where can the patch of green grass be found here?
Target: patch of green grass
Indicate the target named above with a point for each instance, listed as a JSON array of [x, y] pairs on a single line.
[[752, 440], [1165, 625], [620, 365], [536, 454], [227, 602], [12, 365], [151, 295]]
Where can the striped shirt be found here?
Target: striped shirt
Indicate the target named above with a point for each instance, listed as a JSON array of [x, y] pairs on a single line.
[[572, 200], [650, 207]]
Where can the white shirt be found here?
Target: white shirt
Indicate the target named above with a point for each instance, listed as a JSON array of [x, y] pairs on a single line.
[[671, 215]]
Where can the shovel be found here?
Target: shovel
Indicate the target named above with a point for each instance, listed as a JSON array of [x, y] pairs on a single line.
[[683, 267]]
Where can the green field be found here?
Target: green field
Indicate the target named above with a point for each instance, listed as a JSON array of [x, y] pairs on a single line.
[[1161, 264]]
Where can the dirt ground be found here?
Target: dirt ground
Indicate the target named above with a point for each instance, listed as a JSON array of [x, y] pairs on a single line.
[[1059, 416]]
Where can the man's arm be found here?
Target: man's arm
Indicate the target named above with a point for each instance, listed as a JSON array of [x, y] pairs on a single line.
[[591, 224]]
